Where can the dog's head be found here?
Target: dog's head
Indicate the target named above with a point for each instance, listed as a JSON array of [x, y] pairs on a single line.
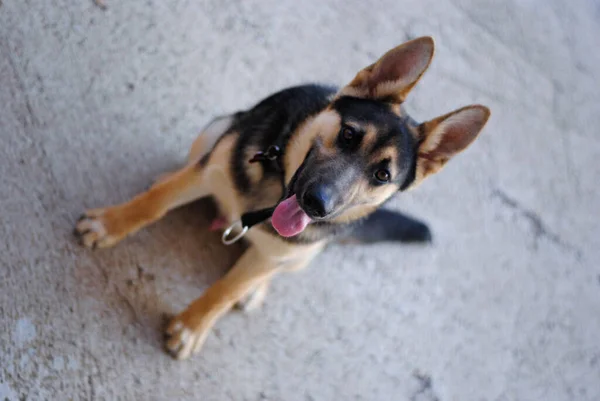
[[363, 148]]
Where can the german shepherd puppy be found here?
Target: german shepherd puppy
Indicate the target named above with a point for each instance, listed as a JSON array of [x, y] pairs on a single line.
[[342, 154]]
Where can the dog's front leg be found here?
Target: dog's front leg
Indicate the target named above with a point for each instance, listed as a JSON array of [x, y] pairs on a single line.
[[106, 226], [188, 330]]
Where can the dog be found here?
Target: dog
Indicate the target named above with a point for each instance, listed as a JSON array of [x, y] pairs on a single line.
[[306, 166]]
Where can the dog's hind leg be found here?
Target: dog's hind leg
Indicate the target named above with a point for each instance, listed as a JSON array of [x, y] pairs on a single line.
[[209, 136], [384, 225], [106, 226], [205, 141]]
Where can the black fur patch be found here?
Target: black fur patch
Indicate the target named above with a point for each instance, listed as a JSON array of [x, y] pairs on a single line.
[[272, 122], [384, 225]]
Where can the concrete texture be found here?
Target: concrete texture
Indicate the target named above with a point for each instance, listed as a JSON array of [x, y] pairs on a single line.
[[504, 306]]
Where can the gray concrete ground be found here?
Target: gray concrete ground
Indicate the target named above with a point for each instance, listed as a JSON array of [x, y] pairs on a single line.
[[504, 306]]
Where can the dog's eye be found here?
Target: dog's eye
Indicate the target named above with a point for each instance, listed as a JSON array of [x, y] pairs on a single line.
[[382, 175], [349, 138], [348, 134]]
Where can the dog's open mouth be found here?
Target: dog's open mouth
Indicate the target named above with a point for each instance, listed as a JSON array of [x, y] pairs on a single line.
[[288, 218]]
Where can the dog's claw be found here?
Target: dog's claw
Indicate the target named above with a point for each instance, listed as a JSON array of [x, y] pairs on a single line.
[[92, 231], [181, 341]]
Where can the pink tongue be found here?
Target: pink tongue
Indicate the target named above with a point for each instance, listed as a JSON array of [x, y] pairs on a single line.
[[288, 218]]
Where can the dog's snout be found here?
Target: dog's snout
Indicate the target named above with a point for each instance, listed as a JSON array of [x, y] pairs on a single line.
[[318, 200]]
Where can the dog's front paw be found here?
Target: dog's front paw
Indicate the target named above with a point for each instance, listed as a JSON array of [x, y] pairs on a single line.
[[182, 339], [98, 228]]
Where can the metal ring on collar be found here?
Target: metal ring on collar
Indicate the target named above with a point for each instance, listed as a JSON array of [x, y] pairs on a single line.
[[229, 241]]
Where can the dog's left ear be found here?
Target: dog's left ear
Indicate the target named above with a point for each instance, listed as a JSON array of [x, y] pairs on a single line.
[[394, 74], [443, 137]]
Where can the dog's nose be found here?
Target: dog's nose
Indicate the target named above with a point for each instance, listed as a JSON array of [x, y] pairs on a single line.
[[318, 200]]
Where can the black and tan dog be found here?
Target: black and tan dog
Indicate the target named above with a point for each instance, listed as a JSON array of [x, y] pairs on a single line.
[[334, 157]]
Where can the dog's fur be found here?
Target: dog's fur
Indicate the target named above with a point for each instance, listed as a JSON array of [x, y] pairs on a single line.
[[356, 145]]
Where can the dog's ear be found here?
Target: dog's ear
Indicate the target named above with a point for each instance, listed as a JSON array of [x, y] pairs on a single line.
[[394, 74], [443, 137]]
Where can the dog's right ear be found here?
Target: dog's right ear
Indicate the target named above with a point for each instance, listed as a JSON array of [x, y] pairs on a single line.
[[394, 74]]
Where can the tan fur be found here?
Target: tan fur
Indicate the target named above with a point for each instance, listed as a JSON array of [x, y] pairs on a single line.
[[364, 200], [255, 298], [369, 138], [325, 125], [389, 152]]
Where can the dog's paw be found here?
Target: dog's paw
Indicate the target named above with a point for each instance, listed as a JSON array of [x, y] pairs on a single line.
[[182, 341], [96, 230]]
